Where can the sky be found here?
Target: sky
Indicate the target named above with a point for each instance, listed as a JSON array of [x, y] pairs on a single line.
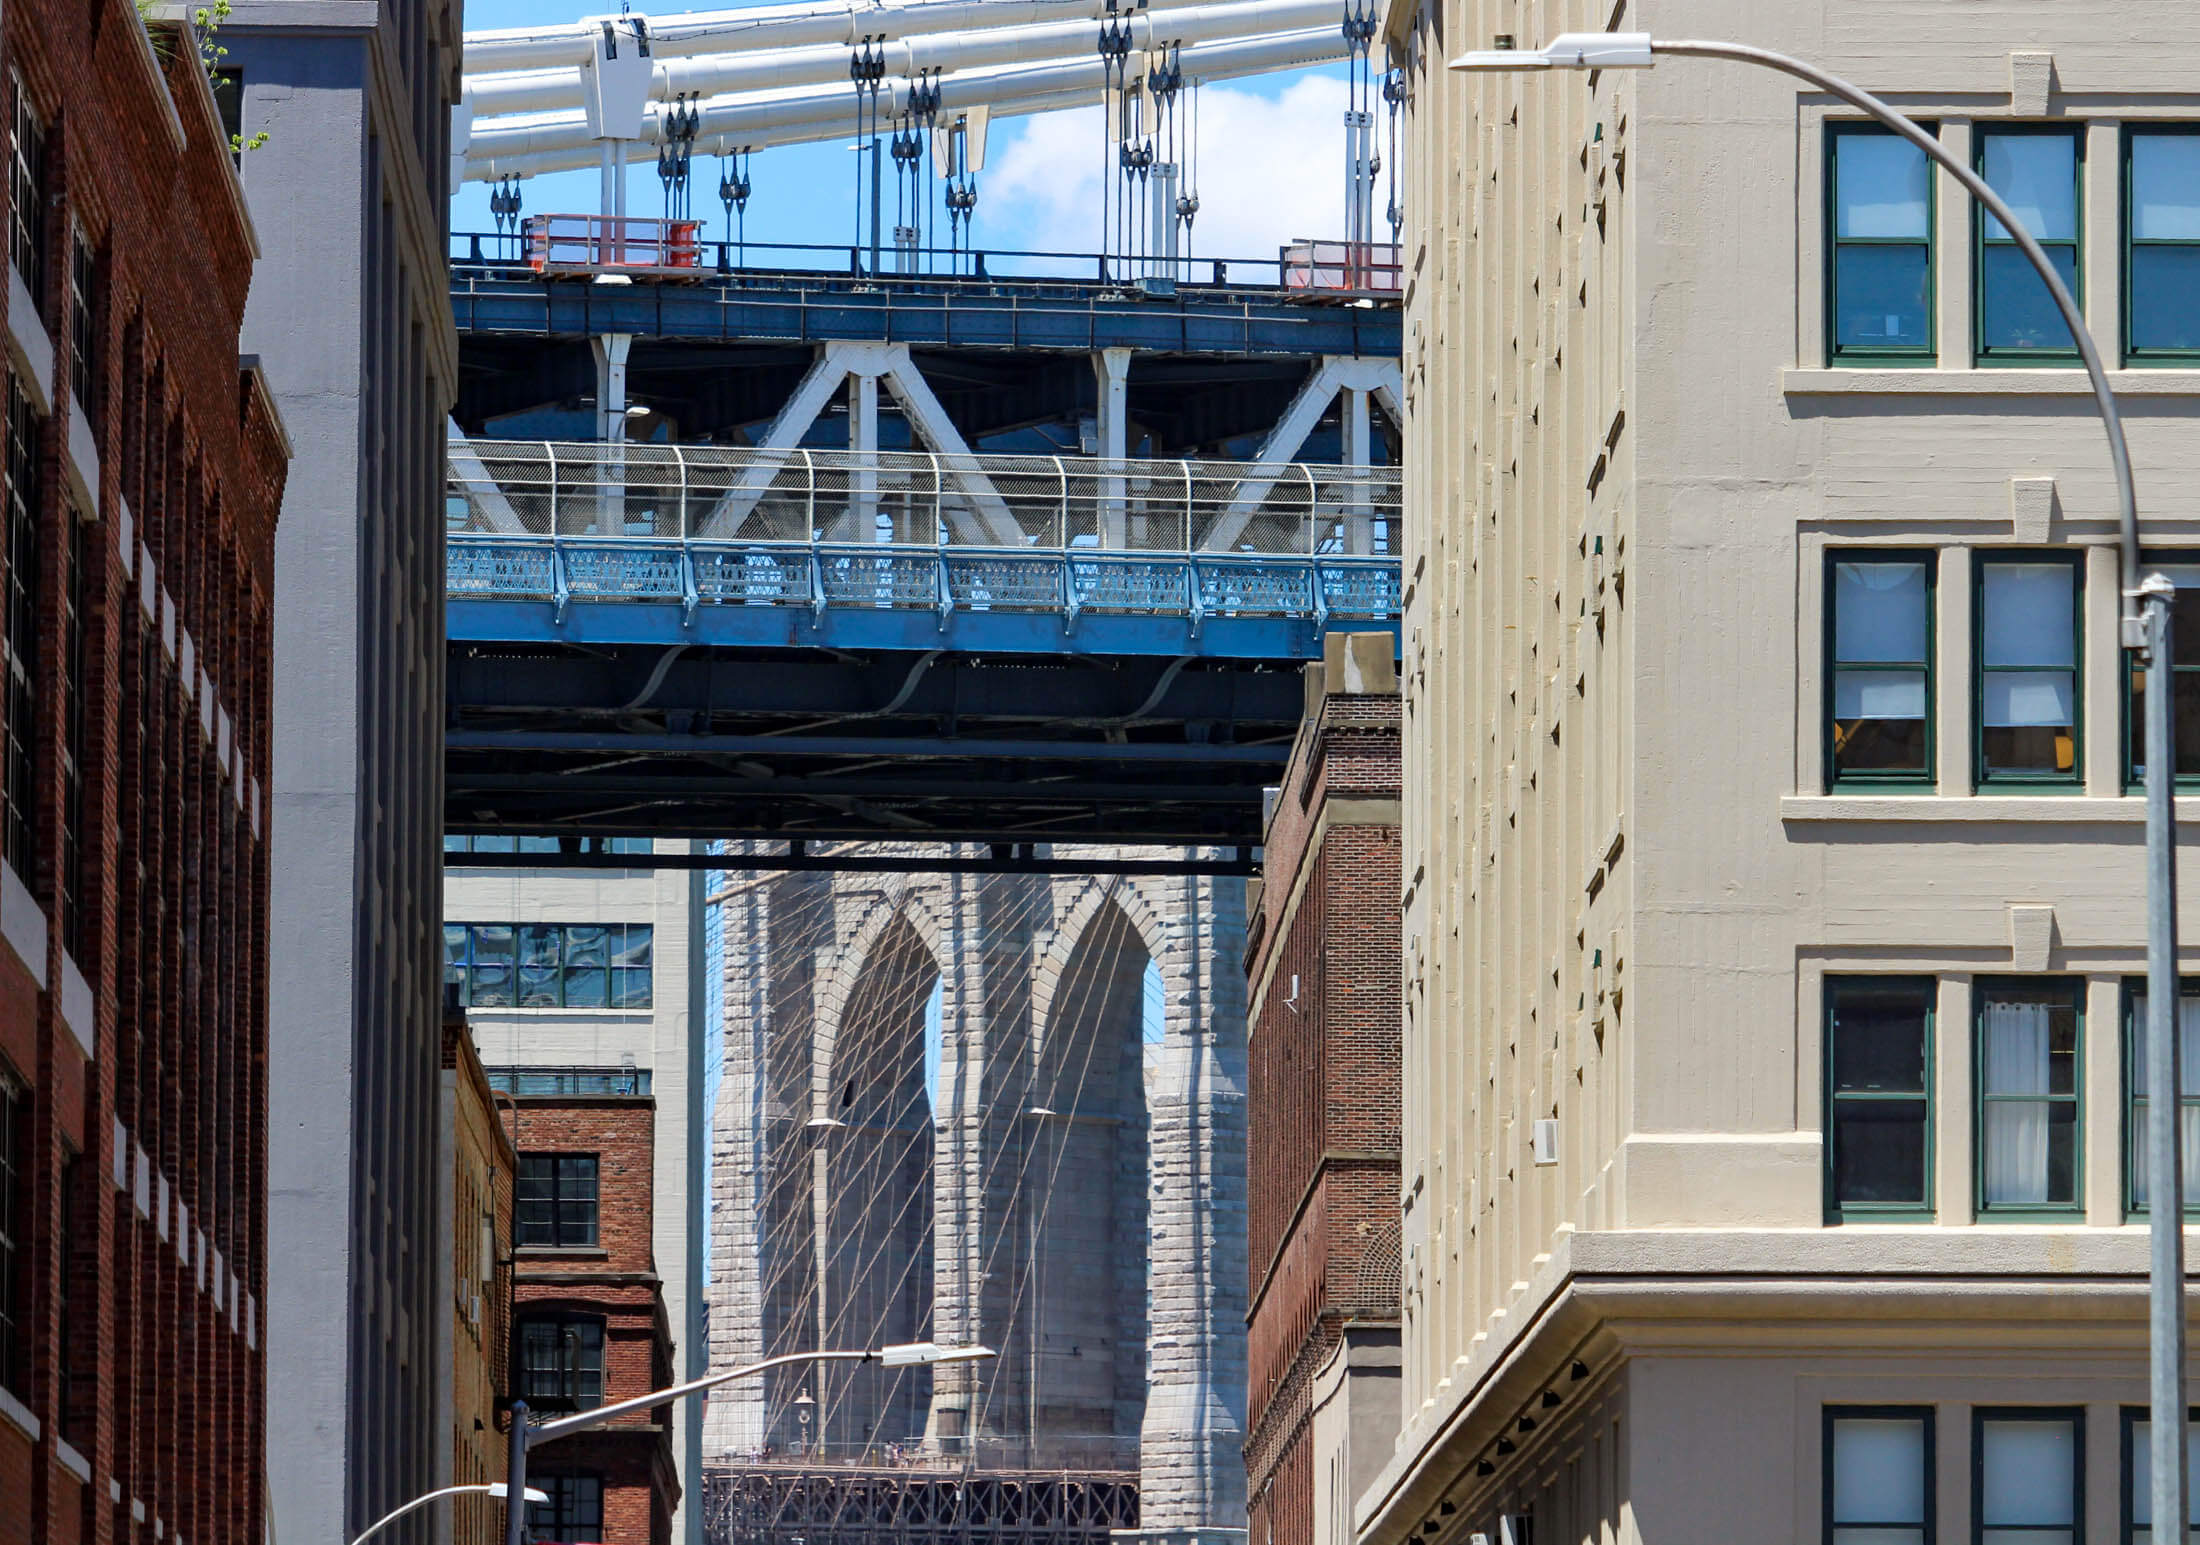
[[1270, 170]]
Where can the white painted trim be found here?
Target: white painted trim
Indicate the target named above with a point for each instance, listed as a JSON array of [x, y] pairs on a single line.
[[83, 458], [147, 585], [168, 622], [79, 1011], [18, 1415], [1985, 383], [27, 340], [23, 923], [187, 658], [121, 1166], [73, 1462]]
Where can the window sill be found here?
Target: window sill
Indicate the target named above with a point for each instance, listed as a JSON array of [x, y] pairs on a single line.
[[498, 1011], [2042, 381], [2044, 809], [562, 1253], [18, 1415]]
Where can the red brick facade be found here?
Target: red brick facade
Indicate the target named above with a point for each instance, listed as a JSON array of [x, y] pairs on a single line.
[[1322, 1095], [142, 474], [614, 1283]]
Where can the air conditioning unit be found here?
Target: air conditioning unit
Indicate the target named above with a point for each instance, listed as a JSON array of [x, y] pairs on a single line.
[[1543, 1140]]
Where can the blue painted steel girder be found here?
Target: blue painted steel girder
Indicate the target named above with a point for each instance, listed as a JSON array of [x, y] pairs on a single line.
[[1056, 317]]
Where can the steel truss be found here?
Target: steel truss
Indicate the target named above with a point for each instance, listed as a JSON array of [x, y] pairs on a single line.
[[779, 1504]]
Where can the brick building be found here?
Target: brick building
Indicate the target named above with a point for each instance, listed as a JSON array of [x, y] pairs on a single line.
[[142, 466], [481, 1169], [589, 1324], [1322, 959]]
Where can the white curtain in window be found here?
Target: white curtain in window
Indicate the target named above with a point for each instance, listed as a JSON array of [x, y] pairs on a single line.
[[2188, 1116], [2016, 1130], [1879, 612]]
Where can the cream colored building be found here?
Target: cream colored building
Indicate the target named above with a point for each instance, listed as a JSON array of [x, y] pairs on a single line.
[[582, 981], [1767, 829]]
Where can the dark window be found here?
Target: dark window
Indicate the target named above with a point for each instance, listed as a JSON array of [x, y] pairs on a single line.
[[19, 635], [2138, 1475], [556, 1081], [1878, 1487], [2135, 1080], [2161, 243], [84, 374], [27, 195], [2027, 1476], [574, 1513], [561, 1362], [15, 1143], [2184, 675], [75, 856], [229, 107], [549, 965], [557, 1200], [1880, 257], [1879, 687], [2028, 1117], [2028, 687], [1879, 1037], [2036, 173]]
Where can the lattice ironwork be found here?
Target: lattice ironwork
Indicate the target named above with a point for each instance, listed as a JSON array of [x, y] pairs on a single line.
[[788, 1504]]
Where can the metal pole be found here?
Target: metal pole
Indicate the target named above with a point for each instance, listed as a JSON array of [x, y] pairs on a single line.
[[515, 1479], [2165, 1168]]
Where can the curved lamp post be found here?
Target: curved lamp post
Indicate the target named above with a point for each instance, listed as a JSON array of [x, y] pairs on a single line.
[[524, 1438], [492, 1488], [2145, 618]]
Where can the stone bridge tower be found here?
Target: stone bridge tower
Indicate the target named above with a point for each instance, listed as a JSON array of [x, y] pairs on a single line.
[[1005, 1110]]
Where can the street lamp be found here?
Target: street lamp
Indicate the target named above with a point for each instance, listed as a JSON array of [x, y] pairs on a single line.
[[2145, 615], [905, 1355], [492, 1489]]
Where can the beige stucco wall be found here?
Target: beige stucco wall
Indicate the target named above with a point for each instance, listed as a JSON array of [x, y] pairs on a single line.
[[1624, 881]]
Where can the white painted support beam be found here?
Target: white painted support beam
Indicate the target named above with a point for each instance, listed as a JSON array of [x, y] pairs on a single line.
[[611, 350], [929, 418], [1111, 369], [1360, 374], [799, 412], [483, 494], [863, 440]]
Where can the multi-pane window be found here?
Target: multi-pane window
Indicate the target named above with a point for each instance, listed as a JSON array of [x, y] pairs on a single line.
[[2184, 676], [561, 1362], [574, 1512], [556, 1201], [27, 194], [83, 322], [1879, 1463], [2028, 1118], [2028, 1475], [1880, 268], [15, 1264], [561, 845], [1879, 1035], [75, 615], [19, 633], [549, 965], [1879, 685], [2036, 172], [569, 1081], [2028, 631], [2139, 1476], [2136, 1168], [2161, 243]]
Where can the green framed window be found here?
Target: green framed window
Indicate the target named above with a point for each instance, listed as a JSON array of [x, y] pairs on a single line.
[[549, 965], [2036, 169], [1879, 248], [2027, 1075], [2028, 611], [2027, 1475], [2183, 571], [1879, 681], [2138, 1476], [2135, 1083], [1877, 1481], [2161, 243], [1879, 1100]]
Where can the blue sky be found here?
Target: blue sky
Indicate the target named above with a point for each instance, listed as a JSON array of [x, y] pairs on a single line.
[[1271, 157]]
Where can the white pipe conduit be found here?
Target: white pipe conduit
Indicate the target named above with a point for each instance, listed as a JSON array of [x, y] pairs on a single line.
[[545, 91], [824, 113], [843, 22]]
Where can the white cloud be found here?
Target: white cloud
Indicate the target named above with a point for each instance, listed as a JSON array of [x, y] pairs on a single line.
[[1270, 170]]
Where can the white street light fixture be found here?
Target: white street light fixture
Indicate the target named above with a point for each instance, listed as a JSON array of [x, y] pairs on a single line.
[[2145, 618], [491, 1488], [524, 1438]]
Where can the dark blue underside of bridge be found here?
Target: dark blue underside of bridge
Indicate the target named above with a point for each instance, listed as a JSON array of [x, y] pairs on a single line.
[[1026, 315]]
